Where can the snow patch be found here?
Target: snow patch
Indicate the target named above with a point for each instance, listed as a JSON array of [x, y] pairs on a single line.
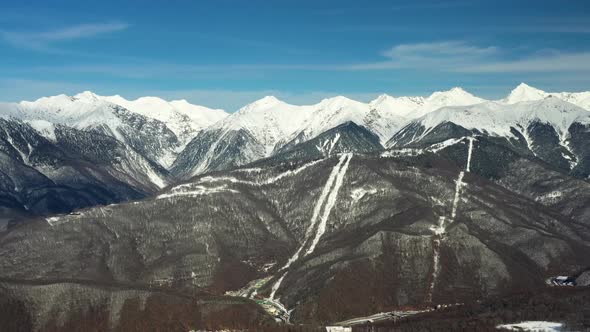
[[197, 190], [536, 326], [327, 146], [44, 128], [359, 193]]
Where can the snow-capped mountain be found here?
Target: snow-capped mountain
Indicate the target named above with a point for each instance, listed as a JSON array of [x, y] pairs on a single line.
[[191, 139], [247, 135], [69, 169], [550, 129], [399, 106], [524, 92], [88, 111], [182, 117], [493, 118], [269, 125], [332, 112], [453, 97]]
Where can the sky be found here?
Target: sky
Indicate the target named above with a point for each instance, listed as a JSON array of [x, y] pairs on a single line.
[[225, 54]]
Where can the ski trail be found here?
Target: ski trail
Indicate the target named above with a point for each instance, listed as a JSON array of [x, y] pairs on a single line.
[[276, 286], [467, 169], [458, 185], [435, 267], [209, 179], [329, 205], [440, 230], [317, 210], [328, 195]]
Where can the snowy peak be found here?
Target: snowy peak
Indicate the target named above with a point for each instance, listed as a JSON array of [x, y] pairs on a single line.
[[498, 119], [400, 106], [524, 92], [180, 116], [261, 104], [340, 102], [87, 96], [456, 96]]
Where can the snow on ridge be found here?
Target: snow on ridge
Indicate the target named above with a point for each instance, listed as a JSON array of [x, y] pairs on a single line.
[[44, 128], [197, 191], [496, 118]]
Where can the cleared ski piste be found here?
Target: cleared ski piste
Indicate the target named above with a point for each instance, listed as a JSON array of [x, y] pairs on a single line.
[[313, 234], [440, 230], [328, 195], [532, 326]]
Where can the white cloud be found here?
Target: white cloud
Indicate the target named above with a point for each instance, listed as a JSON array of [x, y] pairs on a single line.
[[442, 55], [459, 56], [41, 40], [548, 63]]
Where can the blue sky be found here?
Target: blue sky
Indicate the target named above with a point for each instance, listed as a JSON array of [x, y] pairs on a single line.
[[228, 53]]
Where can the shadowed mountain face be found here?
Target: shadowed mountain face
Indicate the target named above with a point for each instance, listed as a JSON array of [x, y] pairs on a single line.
[[339, 237], [74, 169]]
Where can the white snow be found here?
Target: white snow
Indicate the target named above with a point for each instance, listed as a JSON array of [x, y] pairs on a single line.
[[327, 146], [267, 181], [458, 185], [440, 229], [533, 326], [44, 128], [497, 119], [435, 268], [24, 156], [197, 190], [468, 167], [52, 221], [358, 193], [317, 210], [524, 92], [180, 116], [338, 329], [328, 195], [329, 205], [564, 142], [276, 286], [443, 145]]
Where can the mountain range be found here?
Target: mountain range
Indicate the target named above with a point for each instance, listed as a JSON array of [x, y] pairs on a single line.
[[311, 214]]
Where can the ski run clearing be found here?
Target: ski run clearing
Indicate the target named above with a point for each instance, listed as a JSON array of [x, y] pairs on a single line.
[[532, 326], [328, 195], [440, 229]]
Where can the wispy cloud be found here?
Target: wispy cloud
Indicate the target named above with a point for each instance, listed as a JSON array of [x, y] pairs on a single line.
[[547, 63], [439, 56], [43, 40], [443, 55], [460, 56]]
